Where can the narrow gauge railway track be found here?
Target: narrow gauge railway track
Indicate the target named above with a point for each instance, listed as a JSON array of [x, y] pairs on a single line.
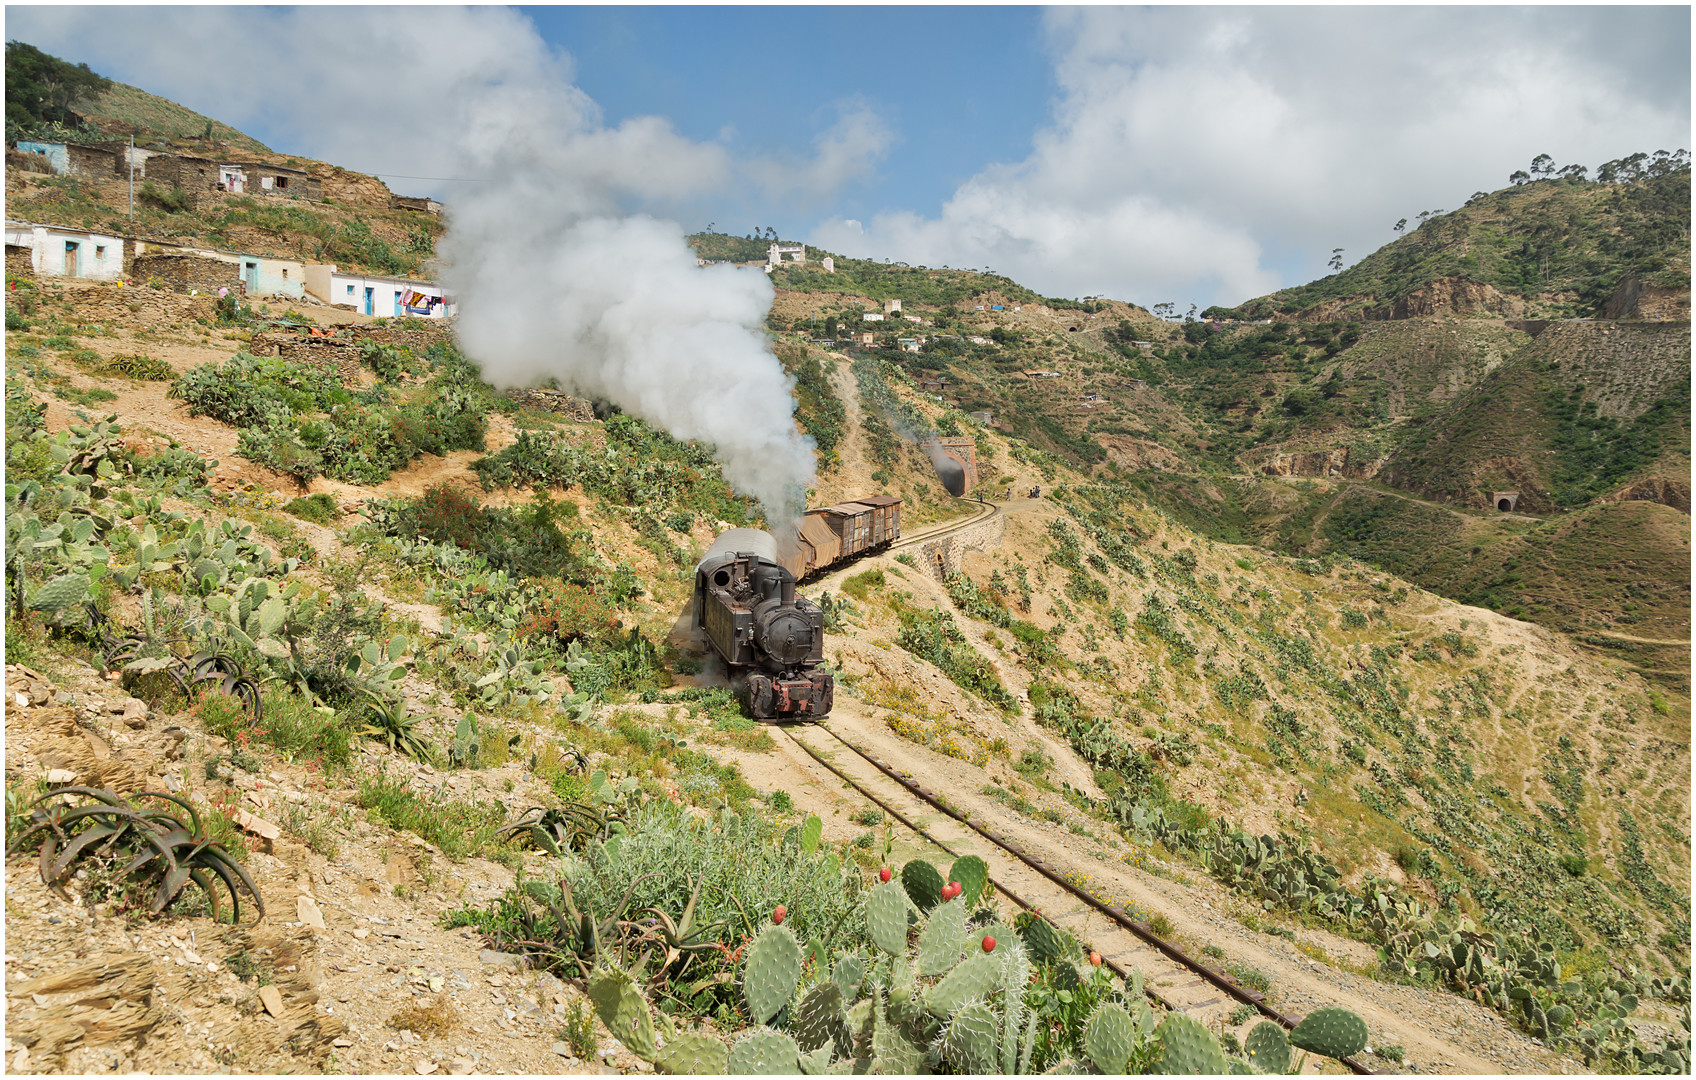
[[981, 514], [1171, 978]]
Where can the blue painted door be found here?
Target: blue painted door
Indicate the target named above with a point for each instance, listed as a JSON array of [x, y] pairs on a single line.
[[252, 269], [370, 298], [72, 251]]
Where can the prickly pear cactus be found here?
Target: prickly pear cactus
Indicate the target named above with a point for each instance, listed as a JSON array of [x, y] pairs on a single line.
[[892, 1054], [1187, 1048], [764, 1052], [820, 1021], [973, 874], [1268, 1048], [969, 1043], [971, 979], [1331, 1031], [693, 1053], [923, 884], [1110, 1037], [770, 973], [1043, 943], [886, 918], [624, 1011], [848, 973], [941, 940]]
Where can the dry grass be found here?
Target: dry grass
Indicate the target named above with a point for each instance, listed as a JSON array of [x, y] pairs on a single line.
[[427, 1021]]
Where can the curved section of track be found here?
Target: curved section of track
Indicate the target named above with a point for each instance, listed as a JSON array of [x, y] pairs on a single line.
[[987, 510], [1171, 978]]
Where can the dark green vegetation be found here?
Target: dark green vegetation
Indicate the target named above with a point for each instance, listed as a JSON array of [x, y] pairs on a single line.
[[301, 421], [51, 99], [1574, 239], [817, 408], [42, 92]]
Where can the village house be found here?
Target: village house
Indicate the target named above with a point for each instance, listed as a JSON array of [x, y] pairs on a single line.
[[75, 159], [282, 180], [56, 251], [176, 267], [1042, 374], [419, 205], [892, 307], [934, 384], [775, 255], [872, 316], [829, 265], [909, 345], [371, 294], [864, 339], [986, 418]]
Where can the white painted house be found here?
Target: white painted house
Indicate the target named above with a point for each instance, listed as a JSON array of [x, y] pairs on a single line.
[[260, 275], [60, 252], [371, 294]]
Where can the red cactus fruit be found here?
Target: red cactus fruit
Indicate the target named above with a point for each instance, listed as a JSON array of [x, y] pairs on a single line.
[[1095, 959], [883, 875], [988, 943], [777, 916]]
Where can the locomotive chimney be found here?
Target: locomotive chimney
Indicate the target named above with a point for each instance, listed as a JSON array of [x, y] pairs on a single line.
[[788, 591]]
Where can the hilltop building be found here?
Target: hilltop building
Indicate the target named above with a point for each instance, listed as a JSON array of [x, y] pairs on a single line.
[[776, 254]]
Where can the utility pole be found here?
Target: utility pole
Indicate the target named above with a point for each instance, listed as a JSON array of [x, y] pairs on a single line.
[[132, 176]]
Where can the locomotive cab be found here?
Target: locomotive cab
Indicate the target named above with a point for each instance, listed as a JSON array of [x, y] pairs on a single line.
[[771, 639]]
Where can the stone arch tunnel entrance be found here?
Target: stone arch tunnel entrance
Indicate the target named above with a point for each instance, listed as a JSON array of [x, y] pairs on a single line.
[[955, 461], [1505, 501]]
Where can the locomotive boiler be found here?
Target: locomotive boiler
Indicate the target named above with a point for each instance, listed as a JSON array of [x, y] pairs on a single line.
[[771, 639]]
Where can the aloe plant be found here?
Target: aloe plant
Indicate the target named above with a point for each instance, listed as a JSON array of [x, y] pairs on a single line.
[[152, 846]]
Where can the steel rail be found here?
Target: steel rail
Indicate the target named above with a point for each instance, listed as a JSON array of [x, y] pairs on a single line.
[[1113, 911]]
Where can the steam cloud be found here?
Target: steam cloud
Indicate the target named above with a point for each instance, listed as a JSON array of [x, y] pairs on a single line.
[[553, 280]]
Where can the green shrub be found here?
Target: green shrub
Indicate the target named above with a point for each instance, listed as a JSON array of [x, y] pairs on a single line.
[[320, 509]]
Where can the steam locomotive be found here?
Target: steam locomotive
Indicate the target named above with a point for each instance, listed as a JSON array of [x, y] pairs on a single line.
[[772, 640]]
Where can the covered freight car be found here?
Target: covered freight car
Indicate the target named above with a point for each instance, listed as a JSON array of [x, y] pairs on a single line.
[[837, 533]]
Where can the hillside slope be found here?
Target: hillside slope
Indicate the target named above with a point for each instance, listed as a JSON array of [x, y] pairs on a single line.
[[1097, 668]]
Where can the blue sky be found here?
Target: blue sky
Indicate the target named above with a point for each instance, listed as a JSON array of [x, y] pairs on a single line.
[[963, 87], [1151, 154]]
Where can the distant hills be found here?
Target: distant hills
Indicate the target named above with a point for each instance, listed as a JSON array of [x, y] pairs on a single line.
[[1549, 248]]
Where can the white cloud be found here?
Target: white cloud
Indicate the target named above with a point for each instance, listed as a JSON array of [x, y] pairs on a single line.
[[1214, 154], [848, 150]]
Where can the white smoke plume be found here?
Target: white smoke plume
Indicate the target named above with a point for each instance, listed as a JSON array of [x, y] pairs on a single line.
[[554, 280], [555, 273]]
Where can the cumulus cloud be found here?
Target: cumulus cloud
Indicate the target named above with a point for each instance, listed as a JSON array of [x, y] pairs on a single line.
[[848, 150], [1216, 153], [557, 270]]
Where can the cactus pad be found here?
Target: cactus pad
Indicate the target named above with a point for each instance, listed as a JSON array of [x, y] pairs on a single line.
[[1187, 1048], [819, 1020], [1331, 1031], [971, 979], [692, 1053], [1043, 941], [969, 1043], [848, 973], [817, 1062], [940, 940], [1110, 1037], [923, 884], [624, 1011], [770, 972], [1268, 1048], [973, 874], [886, 918], [763, 1052]]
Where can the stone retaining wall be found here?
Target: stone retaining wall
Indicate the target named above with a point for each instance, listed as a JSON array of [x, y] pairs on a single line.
[[941, 557]]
